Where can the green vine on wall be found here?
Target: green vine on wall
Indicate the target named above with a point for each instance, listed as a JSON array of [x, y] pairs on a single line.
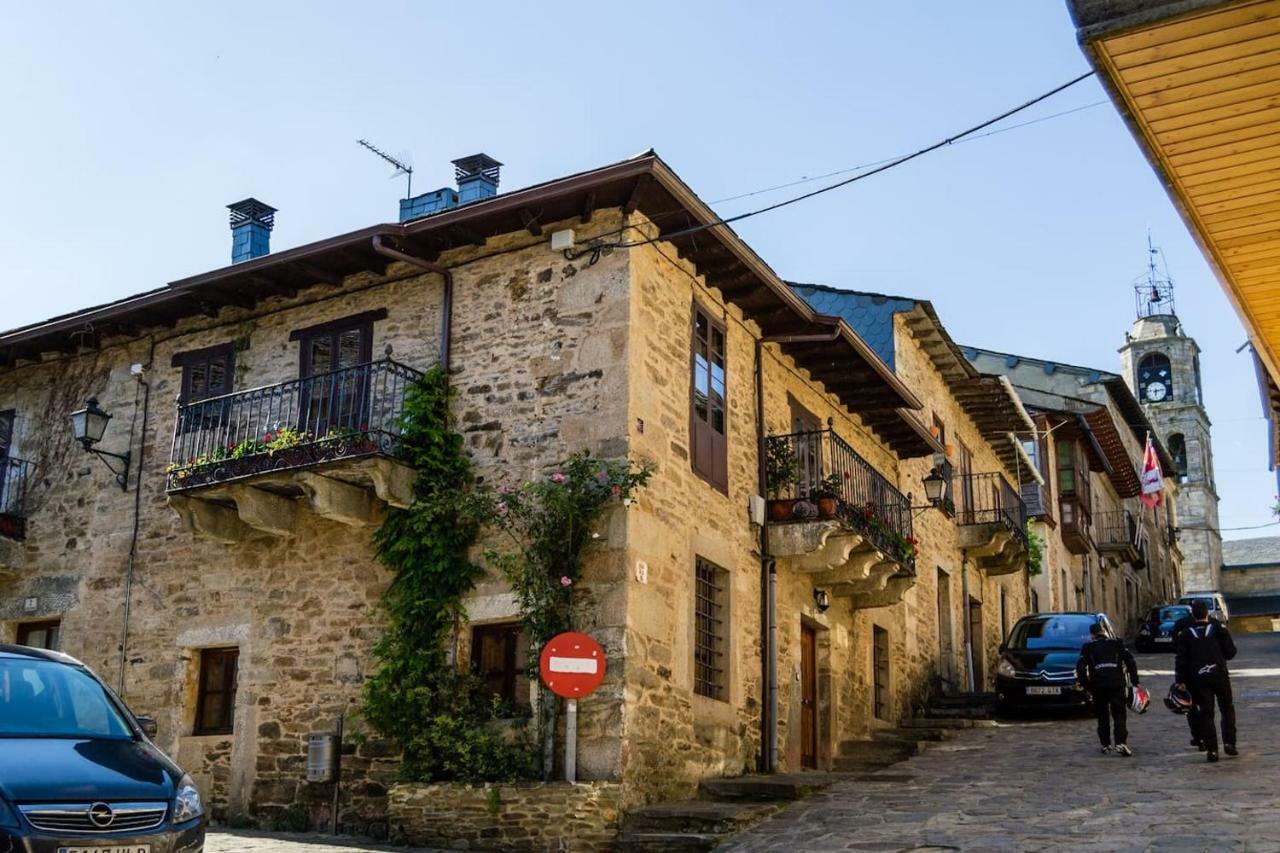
[[1035, 552], [443, 719]]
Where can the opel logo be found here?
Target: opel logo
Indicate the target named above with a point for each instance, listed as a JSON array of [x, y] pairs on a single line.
[[101, 815]]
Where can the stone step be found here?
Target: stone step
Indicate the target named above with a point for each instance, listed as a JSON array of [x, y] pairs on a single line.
[[946, 723], [958, 713], [891, 750], [661, 842], [696, 816], [764, 789], [913, 734]]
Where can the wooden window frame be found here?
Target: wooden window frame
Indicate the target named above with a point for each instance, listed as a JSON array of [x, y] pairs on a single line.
[[711, 463], [362, 322], [710, 630], [227, 690], [189, 359], [512, 674], [25, 630]]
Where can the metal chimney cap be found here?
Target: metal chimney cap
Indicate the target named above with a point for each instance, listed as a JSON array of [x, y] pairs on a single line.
[[477, 165], [252, 210]]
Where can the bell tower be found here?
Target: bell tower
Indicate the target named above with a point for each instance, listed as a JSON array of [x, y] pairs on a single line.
[[1161, 365]]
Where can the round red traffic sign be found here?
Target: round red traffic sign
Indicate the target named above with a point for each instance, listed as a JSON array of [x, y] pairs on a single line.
[[572, 665]]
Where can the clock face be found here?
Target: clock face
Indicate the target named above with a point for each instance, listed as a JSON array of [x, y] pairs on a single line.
[[1156, 391]]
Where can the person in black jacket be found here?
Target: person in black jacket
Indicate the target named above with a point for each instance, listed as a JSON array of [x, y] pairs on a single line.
[[1101, 668], [1178, 627], [1201, 665]]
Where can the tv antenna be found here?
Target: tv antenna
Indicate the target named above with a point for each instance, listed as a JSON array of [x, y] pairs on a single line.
[[401, 167]]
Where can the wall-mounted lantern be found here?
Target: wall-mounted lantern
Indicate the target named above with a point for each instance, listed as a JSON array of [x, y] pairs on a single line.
[[821, 599], [87, 427]]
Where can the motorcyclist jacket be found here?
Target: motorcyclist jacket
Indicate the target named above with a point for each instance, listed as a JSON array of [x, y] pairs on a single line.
[[1202, 652], [1103, 663]]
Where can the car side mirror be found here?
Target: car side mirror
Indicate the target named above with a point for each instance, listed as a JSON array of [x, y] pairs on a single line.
[[148, 724]]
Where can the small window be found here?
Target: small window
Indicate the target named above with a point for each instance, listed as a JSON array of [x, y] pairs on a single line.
[[216, 698], [206, 372], [40, 635], [880, 666], [498, 657], [711, 632], [710, 456]]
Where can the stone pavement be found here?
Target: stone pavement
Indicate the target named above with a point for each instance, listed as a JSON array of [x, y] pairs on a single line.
[[232, 841], [1042, 785]]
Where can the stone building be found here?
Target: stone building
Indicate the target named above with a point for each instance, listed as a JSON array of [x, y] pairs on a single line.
[[233, 593], [1104, 550], [1251, 583]]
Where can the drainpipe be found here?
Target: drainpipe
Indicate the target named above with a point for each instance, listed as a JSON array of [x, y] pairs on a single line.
[[769, 568], [446, 308], [137, 517], [968, 630]]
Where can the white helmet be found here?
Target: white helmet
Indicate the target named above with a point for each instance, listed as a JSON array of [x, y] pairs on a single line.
[[1139, 699]]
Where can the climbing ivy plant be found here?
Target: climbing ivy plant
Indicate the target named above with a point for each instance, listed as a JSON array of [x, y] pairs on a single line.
[[438, 713], [1035, 552]]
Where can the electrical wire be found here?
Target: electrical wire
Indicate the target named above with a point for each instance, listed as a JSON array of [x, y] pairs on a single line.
[[595, 250]]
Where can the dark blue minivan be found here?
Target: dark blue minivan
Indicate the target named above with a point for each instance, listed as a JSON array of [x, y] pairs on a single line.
[[78, 772]]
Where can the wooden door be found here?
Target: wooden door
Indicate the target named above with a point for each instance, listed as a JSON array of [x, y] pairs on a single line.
[[808, 697], [978, 644]]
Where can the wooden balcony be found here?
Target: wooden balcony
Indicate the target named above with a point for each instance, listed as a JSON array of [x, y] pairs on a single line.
[[993, 523], [1073, 516], [840, 521], [247, 464]]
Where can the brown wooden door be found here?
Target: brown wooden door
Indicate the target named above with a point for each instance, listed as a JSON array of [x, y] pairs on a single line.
[[808, 697], [978, 645]]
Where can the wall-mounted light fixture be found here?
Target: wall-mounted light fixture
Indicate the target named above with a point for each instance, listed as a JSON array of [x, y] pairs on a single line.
[[87, 427], [821, 599], [934, 484]]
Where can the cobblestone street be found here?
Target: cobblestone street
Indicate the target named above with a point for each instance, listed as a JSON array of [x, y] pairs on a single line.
[[1043, 785], [253, 842]]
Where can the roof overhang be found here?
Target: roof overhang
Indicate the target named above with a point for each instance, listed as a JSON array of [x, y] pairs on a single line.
[[1198, 82], [1108, 442]]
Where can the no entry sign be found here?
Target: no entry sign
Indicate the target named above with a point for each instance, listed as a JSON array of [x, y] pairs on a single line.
[[572, 665]]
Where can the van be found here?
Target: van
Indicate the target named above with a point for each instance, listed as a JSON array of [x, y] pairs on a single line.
[[1213, 600]]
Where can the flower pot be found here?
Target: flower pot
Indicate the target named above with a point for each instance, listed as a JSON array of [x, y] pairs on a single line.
[[827, 507], [781, 510]]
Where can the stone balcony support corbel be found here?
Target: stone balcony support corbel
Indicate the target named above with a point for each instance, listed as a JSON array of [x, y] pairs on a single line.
[[338, 501], [210, 520], [263, 510], [392, 482]]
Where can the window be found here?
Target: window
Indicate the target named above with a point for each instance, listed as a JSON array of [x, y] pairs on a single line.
[[216, 697], [880, 666], [711, 640], [498, 656], [1035, 601], [40, 635], [1155, 379], [206, 372], [709, 429], [336, 395], [1178, 450]]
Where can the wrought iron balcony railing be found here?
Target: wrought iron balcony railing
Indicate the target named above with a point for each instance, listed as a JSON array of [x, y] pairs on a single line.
[[1115, 530], [822, 476], [989, 499], [13, 496], [332, 416]]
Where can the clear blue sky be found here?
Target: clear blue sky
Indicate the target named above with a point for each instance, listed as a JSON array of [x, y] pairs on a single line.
[[129, 127]]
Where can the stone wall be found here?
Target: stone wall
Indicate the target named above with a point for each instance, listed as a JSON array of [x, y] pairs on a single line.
[[1257, 580], [532, 817]]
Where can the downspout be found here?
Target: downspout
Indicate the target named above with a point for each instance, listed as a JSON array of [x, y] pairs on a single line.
[[137, 517], [769, 568], [446, 308]]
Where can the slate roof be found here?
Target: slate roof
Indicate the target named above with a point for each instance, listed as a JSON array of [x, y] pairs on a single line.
[[870, 314], [1244, 553]]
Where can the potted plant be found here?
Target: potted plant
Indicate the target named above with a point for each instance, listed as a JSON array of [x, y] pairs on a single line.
[[827, 495], [781, 471]]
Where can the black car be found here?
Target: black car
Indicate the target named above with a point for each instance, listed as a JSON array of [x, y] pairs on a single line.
[[1156, 632], [1037, 667], [78, 773]]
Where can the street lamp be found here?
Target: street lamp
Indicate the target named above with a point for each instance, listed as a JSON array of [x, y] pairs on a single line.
[[934, 483], [87, 427], [821, 599]]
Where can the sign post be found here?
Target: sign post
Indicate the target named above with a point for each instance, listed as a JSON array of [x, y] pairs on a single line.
[[572, 665]]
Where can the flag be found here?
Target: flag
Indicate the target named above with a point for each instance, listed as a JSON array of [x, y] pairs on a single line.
[[1152, 476]]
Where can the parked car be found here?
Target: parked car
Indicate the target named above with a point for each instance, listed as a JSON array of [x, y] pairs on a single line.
[[1213, 600], [78, 771], [1037, 665], [1156, 631]]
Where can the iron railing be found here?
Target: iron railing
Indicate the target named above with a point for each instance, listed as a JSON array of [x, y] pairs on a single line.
[[13, 496], [827, 468], [1116, 529], [345, 413], [989, 499]]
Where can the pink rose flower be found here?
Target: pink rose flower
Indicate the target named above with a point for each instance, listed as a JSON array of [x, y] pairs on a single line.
[[566, 581]]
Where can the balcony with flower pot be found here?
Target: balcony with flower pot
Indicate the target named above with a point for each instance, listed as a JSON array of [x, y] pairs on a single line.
[[247, 464], [992, 519], [833, 517]]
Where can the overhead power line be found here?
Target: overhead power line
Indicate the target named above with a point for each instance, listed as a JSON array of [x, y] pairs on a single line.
[[891, 164]]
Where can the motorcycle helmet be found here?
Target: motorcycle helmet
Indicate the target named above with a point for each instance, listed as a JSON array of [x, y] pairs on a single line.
[[1139, 699], [1179, 700]]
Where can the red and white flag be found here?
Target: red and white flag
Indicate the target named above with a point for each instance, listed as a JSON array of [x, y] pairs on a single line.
[[1152, 476]]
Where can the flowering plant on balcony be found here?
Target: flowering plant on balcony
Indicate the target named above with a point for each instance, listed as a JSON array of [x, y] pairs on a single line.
[[781, 468], [830, 486]]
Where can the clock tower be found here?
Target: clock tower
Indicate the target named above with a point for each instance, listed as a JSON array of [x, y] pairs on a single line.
[[1161, 365]]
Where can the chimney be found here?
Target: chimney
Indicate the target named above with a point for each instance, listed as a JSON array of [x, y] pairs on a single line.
[[251, 224], [477, 177]]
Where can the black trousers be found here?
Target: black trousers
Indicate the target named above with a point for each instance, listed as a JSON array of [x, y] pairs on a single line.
[[1205, 692], [1111, 706], [1191, 724]]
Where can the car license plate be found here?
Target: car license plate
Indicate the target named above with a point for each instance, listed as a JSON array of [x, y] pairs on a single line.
[[1044, 691], [1164, 639], [124, 848]]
